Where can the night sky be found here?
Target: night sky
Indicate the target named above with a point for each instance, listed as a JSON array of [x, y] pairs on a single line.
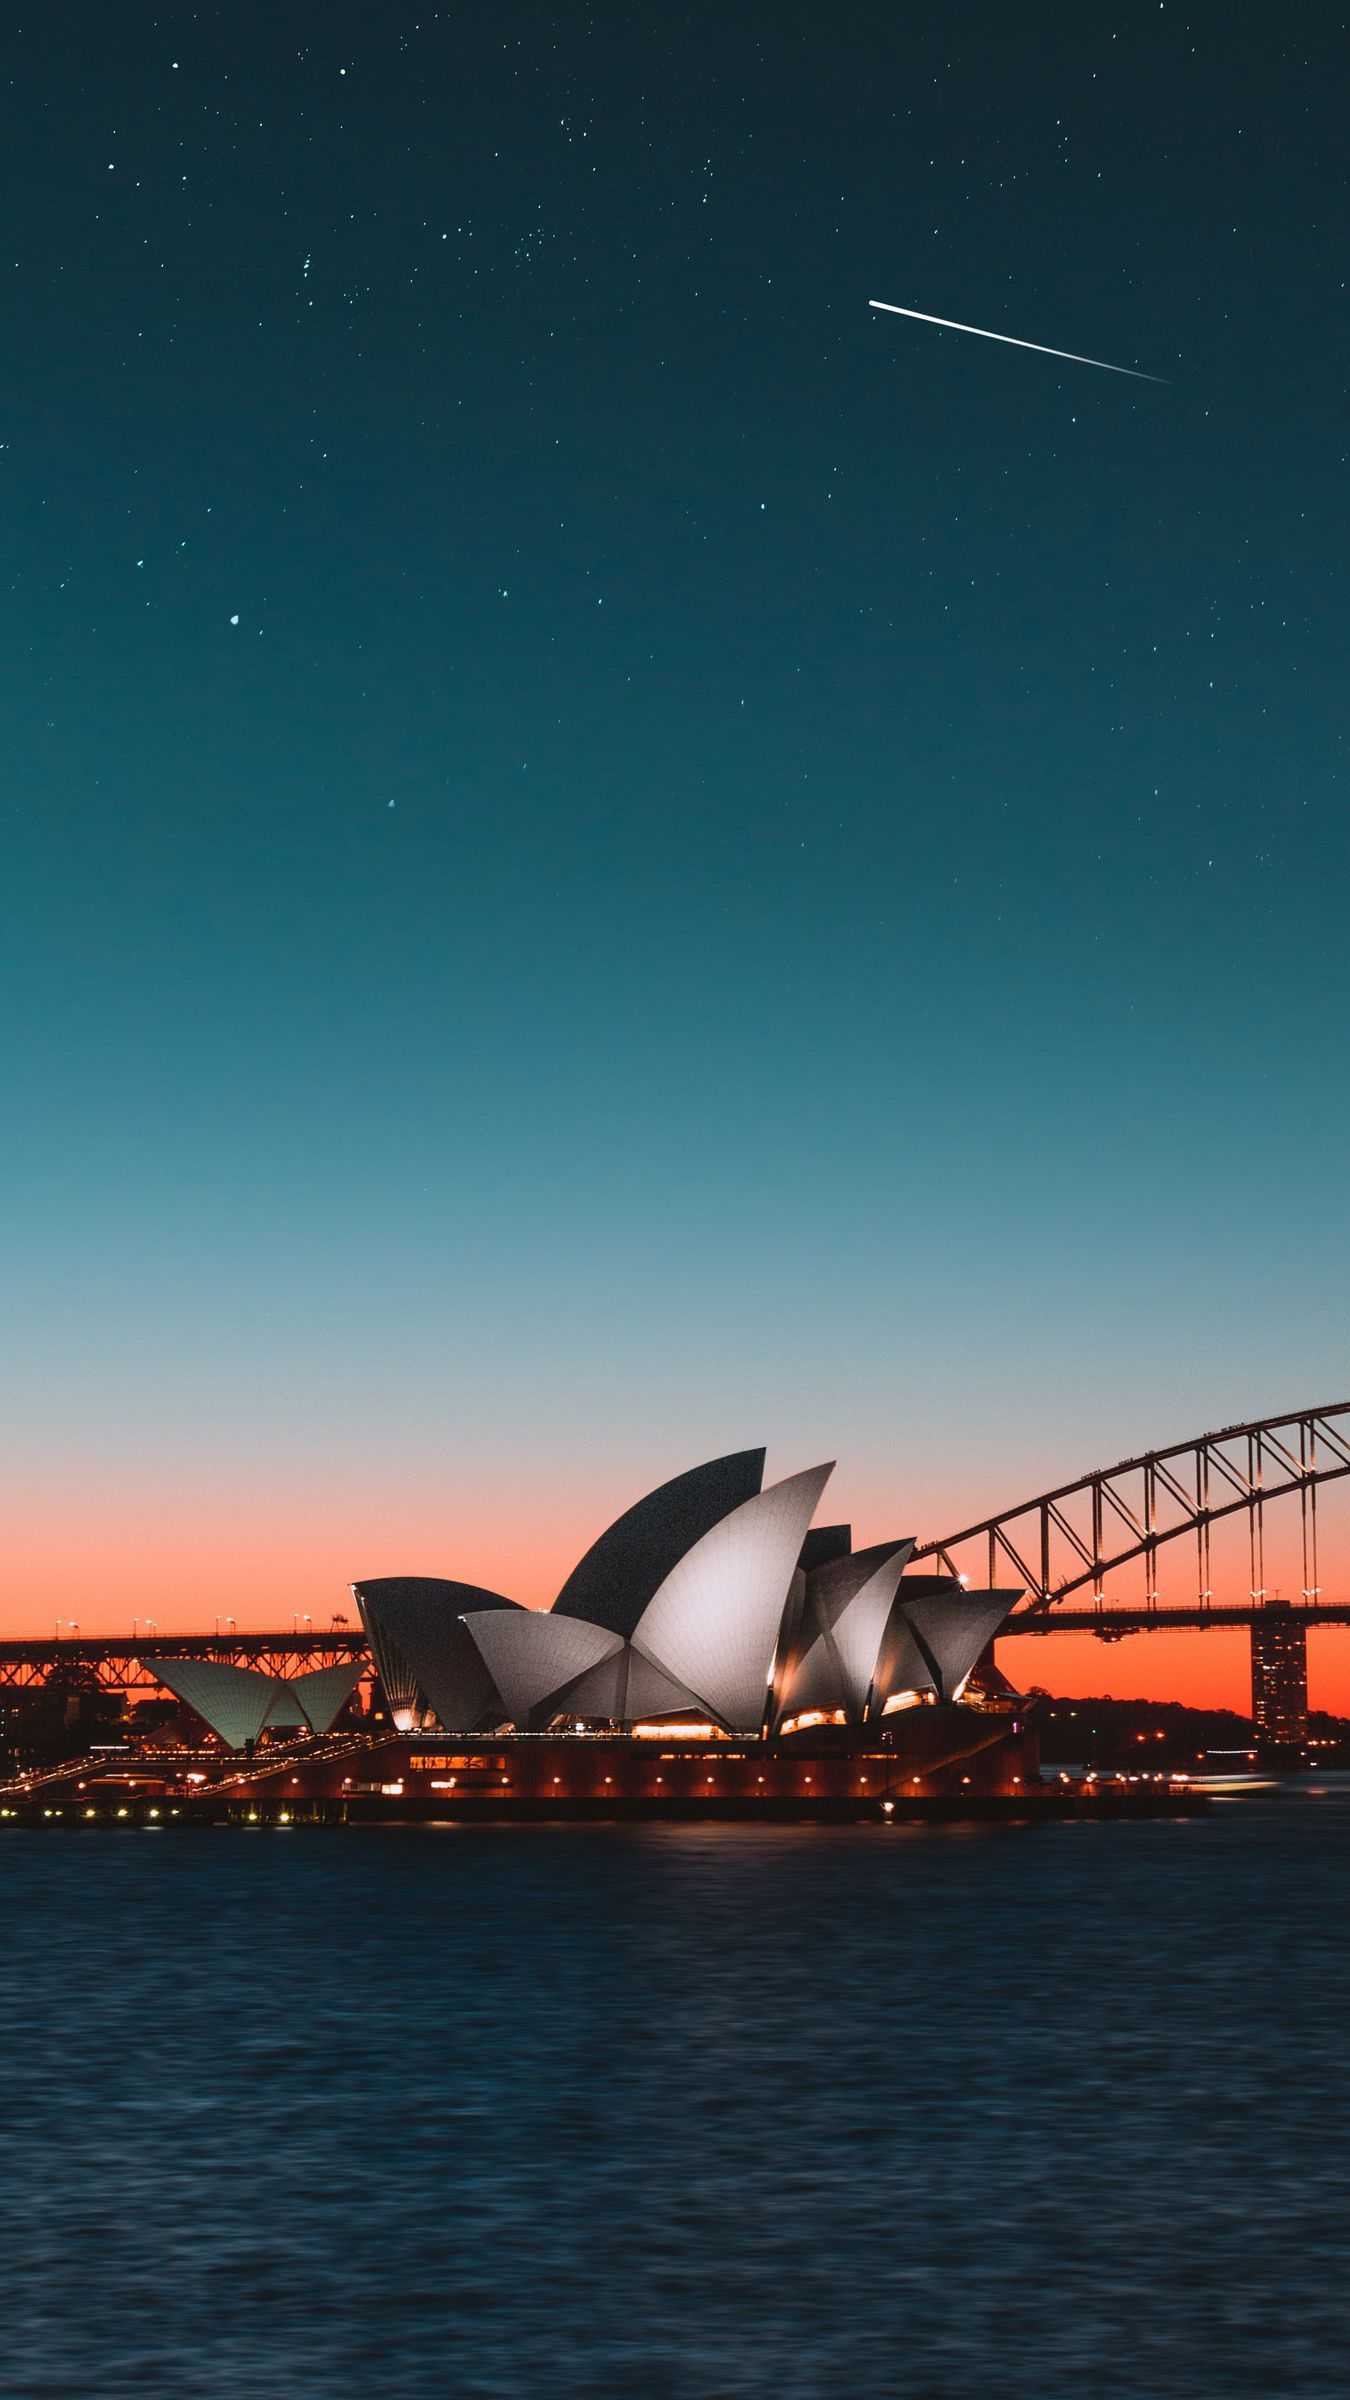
[[609, 855]]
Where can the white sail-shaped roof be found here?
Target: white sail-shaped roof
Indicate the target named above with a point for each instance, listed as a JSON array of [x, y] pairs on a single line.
[[325, 1690], [714, 1623], [597, 1692], [651, 1691], [626, 1687], [235, 1702], [953, 1627], [619, 1574], [285, 1714], [397, 1680], [861, 1623], [901, 1665], [532, 1657], [848, 1605], [812, 1681], [425, 1657]]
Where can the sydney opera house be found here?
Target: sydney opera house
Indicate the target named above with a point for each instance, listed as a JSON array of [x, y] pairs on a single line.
[[713, 1599], [710, 1629]]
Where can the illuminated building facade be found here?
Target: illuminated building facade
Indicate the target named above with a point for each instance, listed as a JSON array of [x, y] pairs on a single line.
[[1279, 1673], [711, 1612], [712, 1601]]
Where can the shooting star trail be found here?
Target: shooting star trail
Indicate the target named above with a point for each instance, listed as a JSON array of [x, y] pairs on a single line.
[[985, 335]]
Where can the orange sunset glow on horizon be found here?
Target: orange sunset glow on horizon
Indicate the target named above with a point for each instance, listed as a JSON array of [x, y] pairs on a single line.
[[117, 1561]]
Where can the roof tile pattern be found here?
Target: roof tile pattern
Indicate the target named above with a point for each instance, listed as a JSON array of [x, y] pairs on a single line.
[[953, 1628], [715, 1622], [235, 1702], [619, 1574], [423, 1651], [847, 1609], [532, 1657]]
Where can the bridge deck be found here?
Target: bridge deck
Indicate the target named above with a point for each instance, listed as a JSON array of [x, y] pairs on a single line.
[[126, 1662]]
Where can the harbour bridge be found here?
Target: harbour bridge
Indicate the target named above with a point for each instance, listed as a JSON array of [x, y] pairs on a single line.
[[1090, 1556], [1062, 1547], [126, 1662], [1085, 1556]]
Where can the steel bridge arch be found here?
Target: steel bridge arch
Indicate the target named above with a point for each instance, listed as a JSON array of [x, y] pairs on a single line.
[[1063, 1538]]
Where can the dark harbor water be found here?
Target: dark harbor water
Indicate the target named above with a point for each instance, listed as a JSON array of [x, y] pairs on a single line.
[[411, 2114]]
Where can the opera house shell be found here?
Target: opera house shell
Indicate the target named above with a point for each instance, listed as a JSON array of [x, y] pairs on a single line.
[[240, 1704], [712, 1601]]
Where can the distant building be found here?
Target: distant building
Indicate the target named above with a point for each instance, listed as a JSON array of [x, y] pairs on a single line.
[[1279, 1673]]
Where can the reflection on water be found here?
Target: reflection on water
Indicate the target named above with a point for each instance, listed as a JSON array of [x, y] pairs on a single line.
[[954, 2114]]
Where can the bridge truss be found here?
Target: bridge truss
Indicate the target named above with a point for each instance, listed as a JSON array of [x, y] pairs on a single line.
[[126, 1663], [1070, 1540]]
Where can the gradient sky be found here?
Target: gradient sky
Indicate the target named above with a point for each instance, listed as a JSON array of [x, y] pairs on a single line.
[[609, 855]]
